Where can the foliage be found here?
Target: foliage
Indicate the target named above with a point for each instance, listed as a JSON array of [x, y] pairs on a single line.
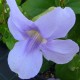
[[69, 71]]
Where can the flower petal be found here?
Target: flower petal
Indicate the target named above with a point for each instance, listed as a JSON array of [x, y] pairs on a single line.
[[18, 18], [17, 34], [60, 51], [56, 23], [26, 65]]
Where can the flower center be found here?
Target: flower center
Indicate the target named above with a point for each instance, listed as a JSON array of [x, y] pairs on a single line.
[[35, 39], [34, 33]]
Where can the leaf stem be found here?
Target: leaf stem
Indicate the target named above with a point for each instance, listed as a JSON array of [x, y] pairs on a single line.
[[62, 3], [3, 12]]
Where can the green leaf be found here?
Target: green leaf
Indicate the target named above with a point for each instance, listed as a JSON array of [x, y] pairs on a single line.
[[74, 34], [75, 5], [7, 37], [46, 65], [18, 2], [43, 13], [69, 71], [0, 7], [32, 8]]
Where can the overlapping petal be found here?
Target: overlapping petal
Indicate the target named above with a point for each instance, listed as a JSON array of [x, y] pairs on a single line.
[[56, 23], [60, 51], [17, 34], [25, 64], [18, 18]]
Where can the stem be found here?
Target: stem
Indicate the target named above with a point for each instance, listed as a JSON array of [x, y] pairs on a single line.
[[3, 12], [62, 3]]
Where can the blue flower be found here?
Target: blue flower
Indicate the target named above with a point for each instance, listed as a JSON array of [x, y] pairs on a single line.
[[40, 38]]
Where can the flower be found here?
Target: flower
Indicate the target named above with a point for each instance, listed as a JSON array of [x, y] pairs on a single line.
[[38, 38]]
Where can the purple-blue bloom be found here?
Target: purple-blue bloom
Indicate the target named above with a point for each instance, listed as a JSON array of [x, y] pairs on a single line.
[[40, 38]]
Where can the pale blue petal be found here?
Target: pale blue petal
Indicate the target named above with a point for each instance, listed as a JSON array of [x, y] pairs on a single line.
[[67, 20], [60, 51], [56, 23], [18, 18], [25, 64], [17, 34]]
